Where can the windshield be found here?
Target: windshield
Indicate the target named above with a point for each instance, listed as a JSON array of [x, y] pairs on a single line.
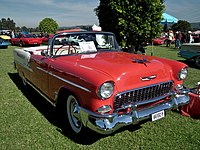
[[83, 42], [30, 36]]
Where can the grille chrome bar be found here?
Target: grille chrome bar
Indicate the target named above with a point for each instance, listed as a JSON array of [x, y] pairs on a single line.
[[143, 95]]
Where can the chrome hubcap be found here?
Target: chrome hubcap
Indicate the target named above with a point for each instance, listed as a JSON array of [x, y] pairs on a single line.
[[75, 113]]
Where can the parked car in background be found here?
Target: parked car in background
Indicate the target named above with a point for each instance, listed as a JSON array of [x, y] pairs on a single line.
[[94, 84], [3, 43], [46, 38], [26, 40], [5, 37], [191, 51], [160, 41], [196, 38]]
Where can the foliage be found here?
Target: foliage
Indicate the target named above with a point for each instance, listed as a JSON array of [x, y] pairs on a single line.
[[28, 121], [181, 25], [165, 28], [48, 25], [108, 18], [132, 21], [7, 24], [24, 28]]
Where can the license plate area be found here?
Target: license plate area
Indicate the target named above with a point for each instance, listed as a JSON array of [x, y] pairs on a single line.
[[158, 115]]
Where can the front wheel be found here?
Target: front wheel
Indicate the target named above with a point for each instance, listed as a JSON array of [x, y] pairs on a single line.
[[197, 61], [73, 114]]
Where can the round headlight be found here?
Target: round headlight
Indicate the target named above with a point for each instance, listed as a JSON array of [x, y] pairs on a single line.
[[106, 90], [182, 74]]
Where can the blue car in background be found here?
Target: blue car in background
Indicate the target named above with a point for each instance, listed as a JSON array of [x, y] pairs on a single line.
[[3, 43], [191, 51]]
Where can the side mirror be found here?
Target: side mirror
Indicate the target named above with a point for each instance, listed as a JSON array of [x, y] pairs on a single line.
[[44, 53]]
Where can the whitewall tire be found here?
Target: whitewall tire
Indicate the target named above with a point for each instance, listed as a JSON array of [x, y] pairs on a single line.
[[73, 114]]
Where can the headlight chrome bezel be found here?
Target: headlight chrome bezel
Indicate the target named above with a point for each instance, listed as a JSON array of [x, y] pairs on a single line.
[[106, 90], [182, 73]]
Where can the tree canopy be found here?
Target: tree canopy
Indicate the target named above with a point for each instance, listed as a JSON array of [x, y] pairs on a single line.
[[48, 25], [132, 21], [7, 24], [181, 25]]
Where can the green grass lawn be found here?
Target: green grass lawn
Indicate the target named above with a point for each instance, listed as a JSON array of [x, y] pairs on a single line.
[[27, 121]]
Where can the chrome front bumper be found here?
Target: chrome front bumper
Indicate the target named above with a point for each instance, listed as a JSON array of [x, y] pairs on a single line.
[[106, 124]]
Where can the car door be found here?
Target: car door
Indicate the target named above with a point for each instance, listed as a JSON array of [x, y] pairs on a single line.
[[15, 40], [40, 72]]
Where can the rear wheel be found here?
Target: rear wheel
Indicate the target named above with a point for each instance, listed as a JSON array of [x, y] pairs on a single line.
[[197, 61]]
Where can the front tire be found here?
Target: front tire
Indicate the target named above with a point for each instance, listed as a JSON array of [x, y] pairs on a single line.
[[73, 114]]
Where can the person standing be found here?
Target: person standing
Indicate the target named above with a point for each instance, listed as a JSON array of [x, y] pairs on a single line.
[[12, 34], [170, 38], [178, 39], [190, 37]]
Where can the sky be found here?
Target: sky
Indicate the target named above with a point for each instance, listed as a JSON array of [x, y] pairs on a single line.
[[80, 12]]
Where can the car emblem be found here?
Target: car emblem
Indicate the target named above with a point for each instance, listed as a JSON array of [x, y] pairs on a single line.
[[141, 61], [148, 78]]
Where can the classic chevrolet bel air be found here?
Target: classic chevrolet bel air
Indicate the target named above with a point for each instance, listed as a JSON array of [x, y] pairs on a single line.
[[96, 85]]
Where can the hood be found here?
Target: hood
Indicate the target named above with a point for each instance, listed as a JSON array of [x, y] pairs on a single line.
[[126, 70]]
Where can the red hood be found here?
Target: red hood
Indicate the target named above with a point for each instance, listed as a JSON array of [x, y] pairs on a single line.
[[124, 69]]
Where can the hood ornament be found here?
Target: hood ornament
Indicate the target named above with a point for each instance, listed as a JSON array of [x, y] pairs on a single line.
[[148, 78], [142, 61]]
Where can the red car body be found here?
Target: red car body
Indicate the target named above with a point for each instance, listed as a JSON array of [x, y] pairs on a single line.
[[26, 39], [98, 86], [159, 41], [45, 39]]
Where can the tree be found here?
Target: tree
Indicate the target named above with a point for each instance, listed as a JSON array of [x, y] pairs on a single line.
[[24, 28], [48, 25], [181, 25], [10, 24], [108, 18], [7, 24], [132, 21]]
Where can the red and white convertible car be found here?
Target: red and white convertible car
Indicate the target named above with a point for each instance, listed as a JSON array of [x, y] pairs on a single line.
[[96, 85]]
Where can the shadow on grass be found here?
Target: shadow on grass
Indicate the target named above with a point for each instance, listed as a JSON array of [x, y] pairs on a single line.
[[49, 112]]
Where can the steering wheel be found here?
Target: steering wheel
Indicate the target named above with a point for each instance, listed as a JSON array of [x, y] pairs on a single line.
[[70, 51]]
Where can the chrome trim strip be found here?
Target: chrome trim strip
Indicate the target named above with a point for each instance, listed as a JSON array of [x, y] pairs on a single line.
[[42, 70], [66, 81], [69, 82]]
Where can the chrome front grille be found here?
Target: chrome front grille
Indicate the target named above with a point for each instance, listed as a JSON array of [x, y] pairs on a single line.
[[143, 94]]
